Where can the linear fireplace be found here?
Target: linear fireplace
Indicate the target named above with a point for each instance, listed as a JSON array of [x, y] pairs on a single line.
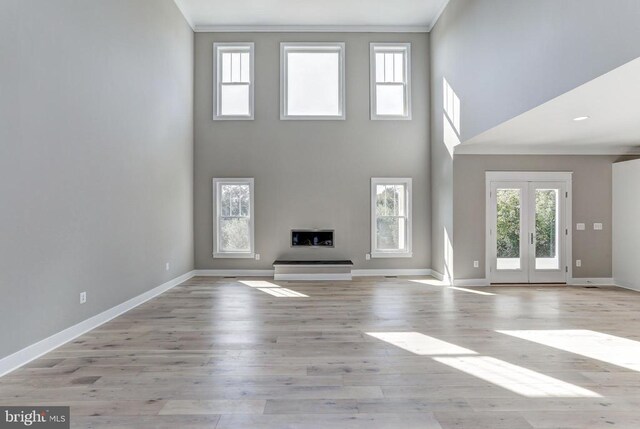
[[312, 238]]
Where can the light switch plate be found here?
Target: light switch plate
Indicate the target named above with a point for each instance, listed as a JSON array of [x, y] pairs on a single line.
[[476, 264], [597, 227], [580, 226], [578, 262]]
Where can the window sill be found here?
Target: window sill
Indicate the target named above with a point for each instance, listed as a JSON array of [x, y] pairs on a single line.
[[284, 117], [391, 255], [233, 118], [234, 255], [375, 117]]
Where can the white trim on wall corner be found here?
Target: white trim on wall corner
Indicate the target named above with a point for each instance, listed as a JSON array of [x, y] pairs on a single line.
[[438, 15], [626, 285], [596, 281], [181, 8], [34, 351], [437, 275], [311, 29]]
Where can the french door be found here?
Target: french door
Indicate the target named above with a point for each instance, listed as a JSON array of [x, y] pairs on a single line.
[[528, 231]]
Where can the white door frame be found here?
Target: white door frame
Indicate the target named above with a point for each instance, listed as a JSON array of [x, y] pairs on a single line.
[[531, 176]]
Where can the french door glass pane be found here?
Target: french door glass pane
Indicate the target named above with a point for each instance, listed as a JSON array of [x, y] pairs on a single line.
[[547, 229], [234, 235], [509, 204]]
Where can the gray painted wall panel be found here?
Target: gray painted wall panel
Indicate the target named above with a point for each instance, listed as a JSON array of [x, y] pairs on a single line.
[[505, 57], [626, 229], [592, 199], [96, 158], [311, 173]]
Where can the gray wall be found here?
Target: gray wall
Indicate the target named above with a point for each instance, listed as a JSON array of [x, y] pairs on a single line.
[[96, 158], [311, 173], [592, 190], [626, 229], [505, 57]]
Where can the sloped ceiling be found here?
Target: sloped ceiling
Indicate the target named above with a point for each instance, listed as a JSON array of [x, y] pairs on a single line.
[[611, 101]]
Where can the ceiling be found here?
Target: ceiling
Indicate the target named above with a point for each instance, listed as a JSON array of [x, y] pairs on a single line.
[[612, 102], [311, 15]]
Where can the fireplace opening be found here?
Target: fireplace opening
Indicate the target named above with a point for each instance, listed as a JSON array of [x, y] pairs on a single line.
[[312, 238]]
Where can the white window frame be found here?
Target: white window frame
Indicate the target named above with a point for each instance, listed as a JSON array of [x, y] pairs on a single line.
[[407, 182], [405, 49], [218, 49], [310, 47], [217, 183]]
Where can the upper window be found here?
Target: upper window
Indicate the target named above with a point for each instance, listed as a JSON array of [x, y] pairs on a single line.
[[390, 81], [390, 218], [233, 65], [312, 81], [233, 224]]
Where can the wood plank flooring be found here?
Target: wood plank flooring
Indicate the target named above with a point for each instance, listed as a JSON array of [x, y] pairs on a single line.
[[220, 353]]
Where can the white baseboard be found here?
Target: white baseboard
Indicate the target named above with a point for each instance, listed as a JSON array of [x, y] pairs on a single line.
[[626, 285], [34, 351], [391, 272], [439, 276], [355, 273], [591, 281], [315, 276], [234, 273], [471, 282]]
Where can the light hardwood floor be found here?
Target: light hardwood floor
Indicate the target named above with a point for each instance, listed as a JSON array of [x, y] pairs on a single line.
[[372, 353]]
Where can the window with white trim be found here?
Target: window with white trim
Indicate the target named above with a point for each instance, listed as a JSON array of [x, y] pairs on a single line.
[[390, 81], [233, 68], [233, 223], [390, 217], [312, 81]]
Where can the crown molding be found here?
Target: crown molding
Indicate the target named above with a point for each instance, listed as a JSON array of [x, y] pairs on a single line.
[[546, 149], [180, 7], [311, 29], [438, 15]]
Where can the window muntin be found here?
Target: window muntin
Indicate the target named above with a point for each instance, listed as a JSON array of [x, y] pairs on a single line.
[[391, 218], [312, 81], [390, 81], [234, 81], [233, 236]]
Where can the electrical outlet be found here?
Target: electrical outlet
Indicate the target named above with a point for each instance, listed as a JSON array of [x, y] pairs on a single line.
[[597, 227], [476, 264], [367, 256], [578, 263], [83, 297], [580, 226], [257, 256], [167, 266]]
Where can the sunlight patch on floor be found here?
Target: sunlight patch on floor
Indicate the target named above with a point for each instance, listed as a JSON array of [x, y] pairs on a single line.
[[420, 344], [478, 292], [258, 283], [595, 345], [515, 378], [282, 292]]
